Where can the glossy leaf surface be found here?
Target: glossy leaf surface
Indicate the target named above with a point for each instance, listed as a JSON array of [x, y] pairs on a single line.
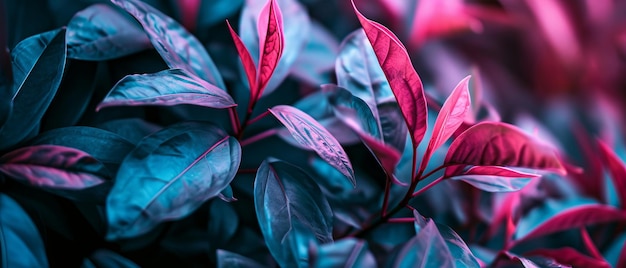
[[310, 133], [20, 242], [166, 88], [290, 207], [496, 179], [227, 259], [201, 162]]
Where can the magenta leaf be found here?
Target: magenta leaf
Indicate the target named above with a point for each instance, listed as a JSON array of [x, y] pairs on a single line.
[[616, 168], [227, 259], [347, 252], [500, 144], [571, 257], [53, 167], [292, 211], [166, 88], [496, 179], [434, 18], [451, 116], [404, 81], [101, 32], [552, 217], [244, 55], [20, 242], [201, 162], [308, 132], [260, 38], [178, 48]]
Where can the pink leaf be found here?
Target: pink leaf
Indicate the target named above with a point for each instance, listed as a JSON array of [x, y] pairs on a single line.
[[308, 132], [435, 18], [500, 144], [576, 217], [246, 58], [53, 167], [616, 169], [271, 42], [499, 171], [189, 12], [570, 256], [451, 116], [385, 155], [404, 81], [496, 179]]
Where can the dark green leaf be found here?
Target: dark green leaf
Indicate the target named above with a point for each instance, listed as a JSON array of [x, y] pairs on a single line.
[[177, 169], [291, 209], [179, 48], [38, 65], [20, 243], [101, 32], [166, 88]]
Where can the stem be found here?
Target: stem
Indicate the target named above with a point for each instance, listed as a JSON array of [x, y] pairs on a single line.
[[430, 185], [234, 119], [401, 220], [386, 198], [265, 134], [591, 247], [257, 118]]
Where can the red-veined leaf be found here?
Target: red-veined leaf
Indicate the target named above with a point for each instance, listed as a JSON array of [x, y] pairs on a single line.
[[500, 144], [617, 169], [571, 257], [308, 132], [575, 217], [245, 57], [53, 167], [271, 40], [403, 79], [451, 116]]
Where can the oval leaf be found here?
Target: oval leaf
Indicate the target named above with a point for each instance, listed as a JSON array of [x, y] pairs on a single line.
[[450, 117], [166, 88], [100, 32], [38, 66], [53, 167], [308, 132], [404, 81], [271, 40], [290, 205], [500, 144], [20, 242], [427, 248], [201, 162], [178, 48]]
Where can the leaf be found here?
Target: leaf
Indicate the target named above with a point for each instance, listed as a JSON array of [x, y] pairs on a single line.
[[104, 258], [450, 118], [308, 132], [201, 162], [246, 60], [131, 129], [404, 81], [427, 248], [436, 18], [347, 252], [295, 24], [317, 58], [218, 10], [166, 88], [554, 218], [223, 222], [616, 168], [570, 256], [20, 242], [101, 32], [271, 41], [178, 48], [53, 167], [500, 144], [38, 66], [227, 259], [496, 179], [290, 206]]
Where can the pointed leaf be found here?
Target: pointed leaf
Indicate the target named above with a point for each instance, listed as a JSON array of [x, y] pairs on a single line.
[[565, 219], [570, 256], [500, 144], [496, 179], [616, 168], [347, 252], [404, 81], [271, 40], [317, 59], [53, 167], [38, 66], [178, 48], [427, 248], [246, 59], [166, 88], [20, 242], [201, 162], [310, 133], [295, 33], [290, 206], [227, 259], [101, 32], [450, 117]]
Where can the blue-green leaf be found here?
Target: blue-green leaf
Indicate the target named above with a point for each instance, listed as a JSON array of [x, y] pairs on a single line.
[[227, 259], [348, 252], [20, 243]]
